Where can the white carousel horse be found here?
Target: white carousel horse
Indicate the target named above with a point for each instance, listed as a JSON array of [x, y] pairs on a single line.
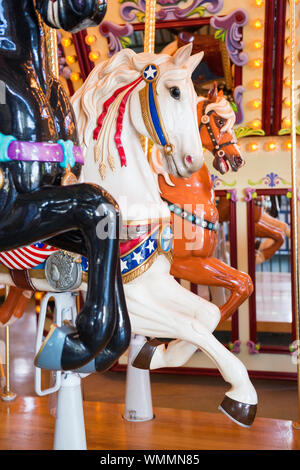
[[155, 99]]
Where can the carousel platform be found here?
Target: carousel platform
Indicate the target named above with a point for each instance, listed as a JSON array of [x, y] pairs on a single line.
[[26, 424]]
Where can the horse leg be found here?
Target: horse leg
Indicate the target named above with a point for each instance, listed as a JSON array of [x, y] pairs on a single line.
[[264, 230], [213, 272], [14, 304], [241, 400]]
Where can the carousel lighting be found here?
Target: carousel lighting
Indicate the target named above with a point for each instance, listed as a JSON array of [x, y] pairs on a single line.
[[94, 56], [271, 146], [286, 123], [288, 145], [256, 124], [253, 147], [256, 104], [256, 83], [257, 44], [38, 295], [71, 59], [66, 42], [287, 102], [288, 41], [90, 39], [75, 76], [257, 63], [287, 82], [288, 61], [257, 24], [259, 3]]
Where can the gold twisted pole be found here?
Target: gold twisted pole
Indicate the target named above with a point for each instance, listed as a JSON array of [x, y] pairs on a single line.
[[149, 43], [150, 19], [7, 394], [51, 42], [292, 24]]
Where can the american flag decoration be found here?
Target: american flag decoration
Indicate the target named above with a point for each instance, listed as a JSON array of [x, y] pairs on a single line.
[[27, 257]]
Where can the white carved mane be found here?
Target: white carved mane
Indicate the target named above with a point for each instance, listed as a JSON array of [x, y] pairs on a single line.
[[120, 70]]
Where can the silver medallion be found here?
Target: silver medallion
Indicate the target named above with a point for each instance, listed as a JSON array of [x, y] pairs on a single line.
[[62, 272]]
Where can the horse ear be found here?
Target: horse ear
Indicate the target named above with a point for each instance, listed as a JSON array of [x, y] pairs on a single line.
[[182, 55], [194, 60], [213, 92]]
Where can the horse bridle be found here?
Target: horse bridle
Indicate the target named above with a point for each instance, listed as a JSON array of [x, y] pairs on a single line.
[[205, 121], [151, 111]]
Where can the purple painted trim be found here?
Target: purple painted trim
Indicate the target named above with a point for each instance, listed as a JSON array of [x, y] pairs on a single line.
[[249, 192], [232, 25], [253, 348], [233, 195], [114, 33], [169, 10], [238, 98], [235, 347], [41, 152]]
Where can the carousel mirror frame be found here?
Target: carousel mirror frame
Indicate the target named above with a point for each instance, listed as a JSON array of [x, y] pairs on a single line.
[[279, 349]]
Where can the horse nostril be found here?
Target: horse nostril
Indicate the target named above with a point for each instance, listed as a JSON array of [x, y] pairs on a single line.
[[188, 160]]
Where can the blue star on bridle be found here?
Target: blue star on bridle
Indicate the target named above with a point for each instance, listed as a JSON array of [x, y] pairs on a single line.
[[150, 109]]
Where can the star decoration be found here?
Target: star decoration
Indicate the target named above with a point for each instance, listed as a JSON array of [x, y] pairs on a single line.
[[123, 265], [138, 257], [150, 246], [150, 72]]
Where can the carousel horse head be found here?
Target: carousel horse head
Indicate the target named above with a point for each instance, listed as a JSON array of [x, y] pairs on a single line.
[[216, 119], [150, 95]]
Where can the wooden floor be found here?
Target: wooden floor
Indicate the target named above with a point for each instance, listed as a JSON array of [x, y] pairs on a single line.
[[27, 424]]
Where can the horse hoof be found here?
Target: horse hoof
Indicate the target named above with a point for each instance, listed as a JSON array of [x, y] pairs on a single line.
[[145, 354], [241, 413], [50, 352]]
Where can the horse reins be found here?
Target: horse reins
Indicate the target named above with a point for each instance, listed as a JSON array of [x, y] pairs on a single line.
[[205, 121]]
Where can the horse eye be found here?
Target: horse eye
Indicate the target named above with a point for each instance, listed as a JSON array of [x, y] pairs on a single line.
[[221, 122], [175, 92]]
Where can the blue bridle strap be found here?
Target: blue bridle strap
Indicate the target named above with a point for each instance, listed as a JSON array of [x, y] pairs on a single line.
[[150, 109]]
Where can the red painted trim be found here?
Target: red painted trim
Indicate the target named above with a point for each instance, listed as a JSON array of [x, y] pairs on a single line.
[[254, 374], [268, 66], [251, 271], [234, 264], [174, 23], [294, 332], [82, 51], [279, 65]]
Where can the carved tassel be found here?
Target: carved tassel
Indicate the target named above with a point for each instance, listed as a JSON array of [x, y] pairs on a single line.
[[111, 162], [102, 170]]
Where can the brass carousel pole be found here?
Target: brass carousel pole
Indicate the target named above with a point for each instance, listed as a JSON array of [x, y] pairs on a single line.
[[7, 394], [149, 42], [296, 424]]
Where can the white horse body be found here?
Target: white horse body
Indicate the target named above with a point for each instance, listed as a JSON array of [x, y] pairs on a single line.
[[158, 306]]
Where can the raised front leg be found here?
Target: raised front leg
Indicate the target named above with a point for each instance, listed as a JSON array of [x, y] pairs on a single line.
[[263, 229], [213, 272]]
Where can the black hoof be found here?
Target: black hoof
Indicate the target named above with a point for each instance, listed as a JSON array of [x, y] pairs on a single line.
[[144, 356], [241, 413]]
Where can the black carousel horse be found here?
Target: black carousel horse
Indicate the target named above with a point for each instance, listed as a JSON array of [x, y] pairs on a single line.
[[38, 141]]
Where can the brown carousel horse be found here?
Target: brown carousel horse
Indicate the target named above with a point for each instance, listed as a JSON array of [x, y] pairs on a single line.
[[266, 227], [271, 229], [193, 206]]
